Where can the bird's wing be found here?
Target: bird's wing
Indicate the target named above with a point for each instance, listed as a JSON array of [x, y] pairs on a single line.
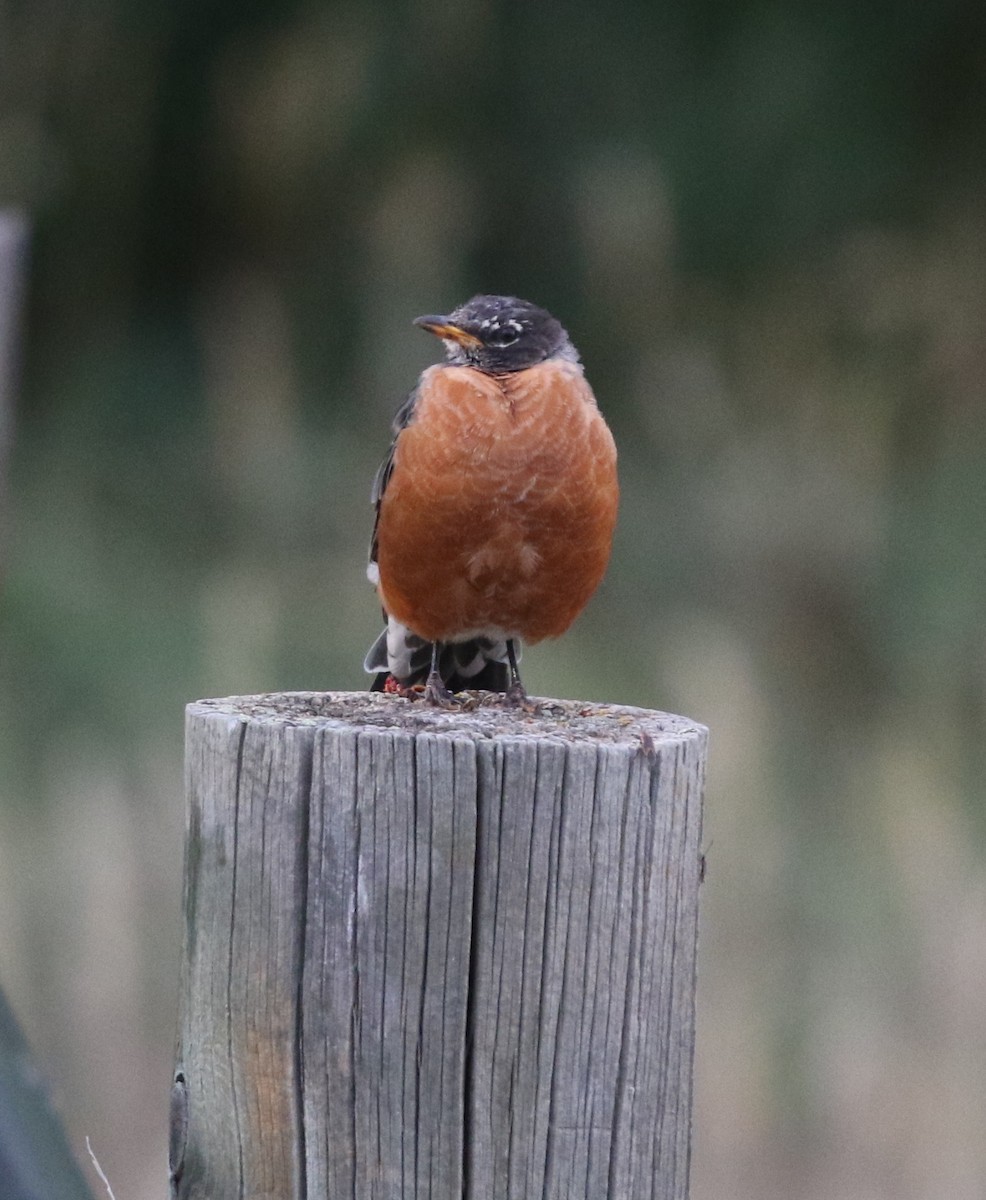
[[403, 418]]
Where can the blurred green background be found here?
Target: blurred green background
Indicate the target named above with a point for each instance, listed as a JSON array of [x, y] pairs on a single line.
[[764, 225]]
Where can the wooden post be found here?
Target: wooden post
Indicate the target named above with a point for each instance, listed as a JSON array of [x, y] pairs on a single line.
[[437, 954]]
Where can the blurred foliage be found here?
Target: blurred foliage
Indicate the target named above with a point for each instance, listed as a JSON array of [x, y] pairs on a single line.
[[765, 227]]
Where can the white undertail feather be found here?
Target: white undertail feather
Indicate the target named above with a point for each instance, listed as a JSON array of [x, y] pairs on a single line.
[[402, 653]]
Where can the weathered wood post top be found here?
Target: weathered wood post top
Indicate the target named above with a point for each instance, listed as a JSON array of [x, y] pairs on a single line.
[[437, 954]]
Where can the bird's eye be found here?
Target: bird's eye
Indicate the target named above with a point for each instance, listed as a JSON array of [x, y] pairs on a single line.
[[504, 336]]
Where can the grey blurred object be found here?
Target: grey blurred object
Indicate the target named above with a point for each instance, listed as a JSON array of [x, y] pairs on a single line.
[[13, 258], [35, 1160]]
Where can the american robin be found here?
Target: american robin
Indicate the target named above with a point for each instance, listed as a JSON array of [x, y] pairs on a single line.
[[495, 505]]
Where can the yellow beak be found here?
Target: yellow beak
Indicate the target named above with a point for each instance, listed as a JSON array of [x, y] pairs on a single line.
[[442, 327]]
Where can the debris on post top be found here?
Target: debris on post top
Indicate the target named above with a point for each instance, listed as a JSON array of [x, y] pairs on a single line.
[[437, 953]]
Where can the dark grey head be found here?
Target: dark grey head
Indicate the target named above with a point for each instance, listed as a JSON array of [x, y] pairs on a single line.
[[500, 333]]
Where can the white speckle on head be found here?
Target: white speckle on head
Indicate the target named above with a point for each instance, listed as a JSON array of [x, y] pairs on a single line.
[[373, 573], [516, 326]]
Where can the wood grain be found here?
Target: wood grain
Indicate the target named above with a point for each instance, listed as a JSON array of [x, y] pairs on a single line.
[[434, 954]]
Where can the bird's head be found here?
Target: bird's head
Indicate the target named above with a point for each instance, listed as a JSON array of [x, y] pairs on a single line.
[[498, 334]]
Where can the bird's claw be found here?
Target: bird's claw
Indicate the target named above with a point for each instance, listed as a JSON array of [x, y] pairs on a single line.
[[516, 697], [437, 694]]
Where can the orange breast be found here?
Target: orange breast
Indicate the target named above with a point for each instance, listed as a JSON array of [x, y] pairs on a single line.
[[499, 514]]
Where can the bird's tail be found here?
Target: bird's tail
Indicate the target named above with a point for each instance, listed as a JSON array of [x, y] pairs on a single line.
[[401, 654]]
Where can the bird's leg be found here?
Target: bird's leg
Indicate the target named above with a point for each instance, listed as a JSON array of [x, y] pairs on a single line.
[[435, 690], [514, 696]]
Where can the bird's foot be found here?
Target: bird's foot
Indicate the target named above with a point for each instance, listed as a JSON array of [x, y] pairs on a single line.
[[516, 697], [437, 694]]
